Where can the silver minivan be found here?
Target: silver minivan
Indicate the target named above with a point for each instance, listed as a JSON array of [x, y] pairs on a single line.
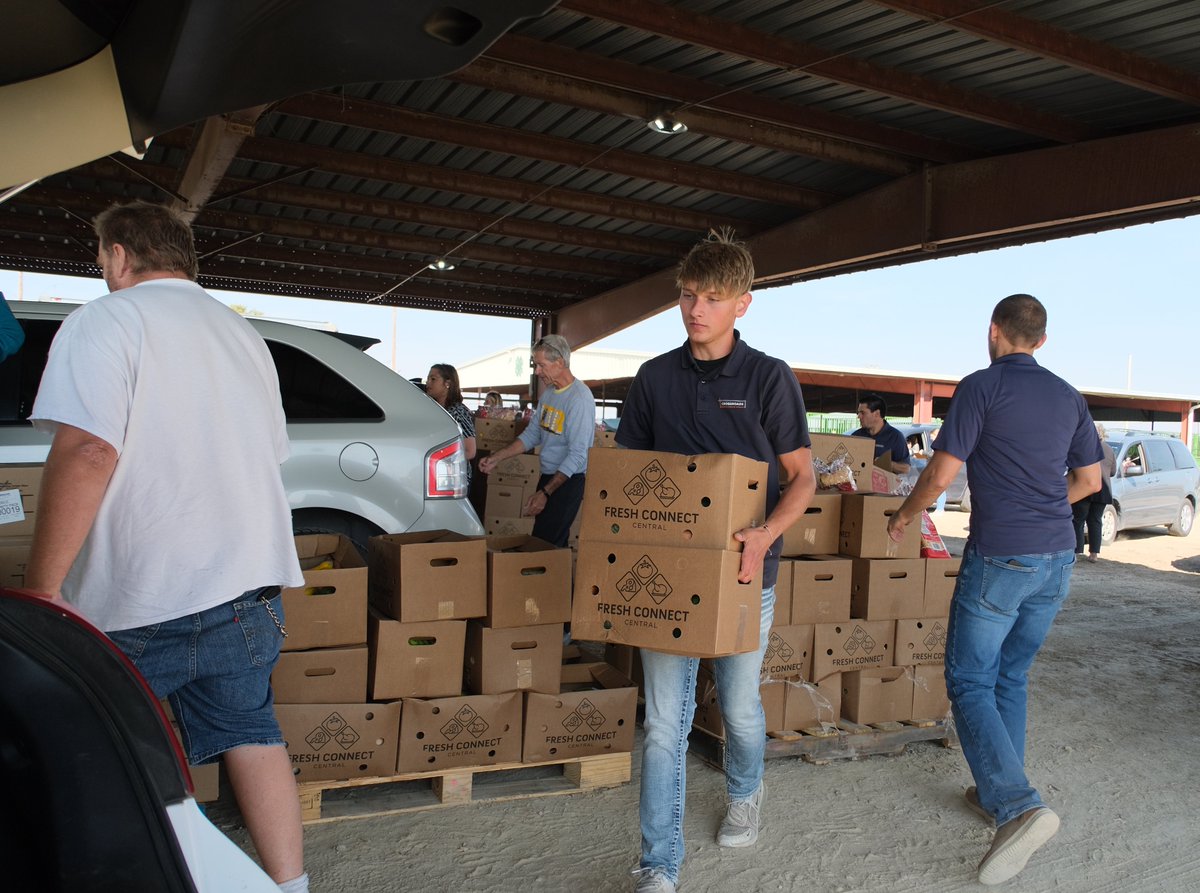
[[1157, 482], [370, 453]]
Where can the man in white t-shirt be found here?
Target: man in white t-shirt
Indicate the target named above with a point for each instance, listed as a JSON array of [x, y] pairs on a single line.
[[162, 515]]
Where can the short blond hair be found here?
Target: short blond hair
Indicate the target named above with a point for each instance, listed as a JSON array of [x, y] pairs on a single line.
[[719, 263]]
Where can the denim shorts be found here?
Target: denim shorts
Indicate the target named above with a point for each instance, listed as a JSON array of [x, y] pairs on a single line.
[[215, 667]]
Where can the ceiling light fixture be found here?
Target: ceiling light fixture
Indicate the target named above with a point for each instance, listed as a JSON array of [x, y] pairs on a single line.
[[442, 265], [666, 123]]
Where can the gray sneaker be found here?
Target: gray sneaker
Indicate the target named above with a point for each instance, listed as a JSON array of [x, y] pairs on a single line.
[[652, 880], [740, 825], [971, 795], [1015, 842]]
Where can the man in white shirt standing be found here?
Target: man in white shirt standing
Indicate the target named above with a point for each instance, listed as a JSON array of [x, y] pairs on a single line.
[[162, 515]]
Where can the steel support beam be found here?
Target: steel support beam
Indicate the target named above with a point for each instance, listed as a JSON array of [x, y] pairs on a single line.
[[1036, 195], [725, 36], [1048, 42], [213, 151]]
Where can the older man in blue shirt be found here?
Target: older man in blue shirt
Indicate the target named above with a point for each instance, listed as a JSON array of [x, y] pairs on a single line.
[[1031, 450]]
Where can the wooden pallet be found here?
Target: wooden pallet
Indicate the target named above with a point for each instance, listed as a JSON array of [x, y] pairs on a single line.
[[330, 801], [843, 740]]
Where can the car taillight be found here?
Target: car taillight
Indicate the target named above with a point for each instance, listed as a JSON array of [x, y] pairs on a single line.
[[446, 472]]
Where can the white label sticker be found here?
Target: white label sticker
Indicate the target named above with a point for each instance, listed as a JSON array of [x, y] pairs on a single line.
[[11, 510]]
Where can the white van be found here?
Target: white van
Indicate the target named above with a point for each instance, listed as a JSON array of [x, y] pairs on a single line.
[[370, 453]]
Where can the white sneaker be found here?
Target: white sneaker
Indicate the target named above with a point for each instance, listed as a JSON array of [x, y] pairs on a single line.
[[652, 880], [740, 825], [1015, 842]]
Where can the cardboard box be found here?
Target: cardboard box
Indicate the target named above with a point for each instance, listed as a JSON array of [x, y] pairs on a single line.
[[17, 513], [887, 588], [929, 693], [668, 499], [507, 499], [864, 528], [14, 558], [884, 481], [322, 676], [526, 467], [783, 594], [941, 576], [328, 742], [431, 575], [883, 694], [858, 453], [921, 642], [508, 526], [817, 530], [604, 439], [595, 714], [415, 660], [852, 645], [813, 704], [821, 589], [626, 659], [474, 730], [330, 610], [677, 600], [529, 582], [789, 652], [526, 658], [495, 434]]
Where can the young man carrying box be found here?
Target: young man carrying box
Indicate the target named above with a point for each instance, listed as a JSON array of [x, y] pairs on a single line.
[[715, 394]]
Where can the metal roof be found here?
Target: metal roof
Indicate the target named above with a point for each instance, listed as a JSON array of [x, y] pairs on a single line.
[[832, 134]]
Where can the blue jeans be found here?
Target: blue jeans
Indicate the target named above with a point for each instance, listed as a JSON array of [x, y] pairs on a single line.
[[670, 685], [1002, 610]]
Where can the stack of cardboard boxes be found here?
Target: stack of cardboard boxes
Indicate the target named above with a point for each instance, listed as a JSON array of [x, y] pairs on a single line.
[[445, 611], [509, 487]]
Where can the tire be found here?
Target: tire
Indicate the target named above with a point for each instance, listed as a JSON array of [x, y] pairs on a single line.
[[1183, 524], [1108, 525], [965, 504], [354, 528]]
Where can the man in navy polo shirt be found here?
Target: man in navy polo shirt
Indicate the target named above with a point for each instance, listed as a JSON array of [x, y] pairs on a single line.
[[715, 395], [1031, 450], [871, 411]]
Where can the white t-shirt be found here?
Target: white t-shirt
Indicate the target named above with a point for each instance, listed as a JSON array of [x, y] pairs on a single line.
[[185, 390]]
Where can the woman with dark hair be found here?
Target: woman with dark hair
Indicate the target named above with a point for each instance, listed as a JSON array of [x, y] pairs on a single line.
[[442, 385]]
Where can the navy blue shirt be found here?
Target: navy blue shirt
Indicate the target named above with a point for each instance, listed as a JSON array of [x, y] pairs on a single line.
[[889, 439], [1019, 428], [751, 406]]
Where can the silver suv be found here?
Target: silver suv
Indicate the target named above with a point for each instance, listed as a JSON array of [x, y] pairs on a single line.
[[370, 453], [1157, 482]]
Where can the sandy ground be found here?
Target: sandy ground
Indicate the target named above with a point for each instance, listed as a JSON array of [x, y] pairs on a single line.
[[1113, 747]]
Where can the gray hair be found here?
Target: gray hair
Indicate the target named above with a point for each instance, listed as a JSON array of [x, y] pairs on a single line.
[[555, 347]]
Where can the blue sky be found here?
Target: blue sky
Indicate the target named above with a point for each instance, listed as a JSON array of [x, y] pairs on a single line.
[[1124, 309]]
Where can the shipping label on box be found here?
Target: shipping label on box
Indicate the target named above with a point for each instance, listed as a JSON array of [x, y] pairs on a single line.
[[527, 658], [882, 694], [19, 487], [594, 714], [887, 588], [941, 576], [321, 676], [813, 704], [782, 615], [445, 733], [529, 582], [330, 609], [852, 645], [639, 496], [415, 660], [328, 742], [864, 528], [856, 453], [431, 575], [921, 642], [680, 601], [821, 589], [816, 531], [929, 693], [789, 652]]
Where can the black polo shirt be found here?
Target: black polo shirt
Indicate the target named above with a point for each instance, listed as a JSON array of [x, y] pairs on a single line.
[[752, 407]]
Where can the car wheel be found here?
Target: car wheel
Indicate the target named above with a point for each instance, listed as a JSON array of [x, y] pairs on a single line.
[[1183, 524], [354, 528], [1108, 525], [965, 504]]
